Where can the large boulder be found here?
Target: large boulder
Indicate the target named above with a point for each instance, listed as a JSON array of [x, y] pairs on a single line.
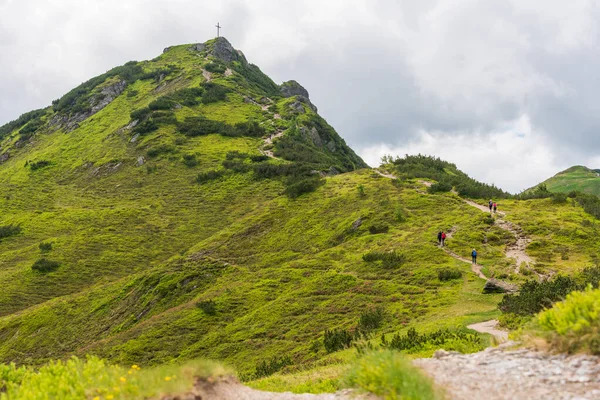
[[293, 88], [496, 286]]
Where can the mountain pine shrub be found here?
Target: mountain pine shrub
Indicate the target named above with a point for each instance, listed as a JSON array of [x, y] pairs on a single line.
[[209, 176], [447, 274], [371, 319], [45, 247], [9, 230], [45, 265], [337, 339], [209, 307]]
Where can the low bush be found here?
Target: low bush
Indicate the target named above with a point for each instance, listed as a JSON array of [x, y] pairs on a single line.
[[213, 92], [297, 187], [271, 366], [447, 274], [371, 319], [378, 228], [146, 126], [45, 247], [140, 114], [162, 103], [460, 340], [161, 149], [337, 339], [390, 376], [259, 158], [440, 187], [534, 296], [209, 307], [512, 321], [233, 155], [190, 160], [44, 265], [215, 68], [390, 259], [209, 176], [574, 324], [39, 164], [9, 230], [559, 198]]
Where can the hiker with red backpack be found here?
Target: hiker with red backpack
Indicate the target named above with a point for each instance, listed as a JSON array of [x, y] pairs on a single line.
[[443, 238], [495, 207]]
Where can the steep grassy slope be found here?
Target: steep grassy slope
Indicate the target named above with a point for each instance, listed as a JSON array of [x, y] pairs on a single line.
[[189, 207], [577, 178]]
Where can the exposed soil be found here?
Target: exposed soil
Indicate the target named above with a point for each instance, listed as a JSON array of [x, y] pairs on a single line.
[[207, 75]]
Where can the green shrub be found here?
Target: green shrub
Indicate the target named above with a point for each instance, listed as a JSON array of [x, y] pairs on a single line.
[[190, 160], [574, 323], [140, 114], [489, 220], [9, 230], [20, 122], [371, 319], [209, 307], [235, 155], [259, 158], [161, 149], [559, 198], [297, 187], [448, 274], [146, 126], [45, 247], [378, 228], [39, 164], [534, 296], [390, 376], [441, 338], [271, 366], [389, 260], [215, 67], [337, 339], [162, 103], [213, 92], [187, 97], [44, 265], [209, 176], [164, 117], [440, 187], [512, 321], [361, 190]]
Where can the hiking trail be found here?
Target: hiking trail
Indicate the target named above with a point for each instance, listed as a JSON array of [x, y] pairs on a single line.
[[491, 328], [269, 141], [515, 250], [226, 388], [498, 373]]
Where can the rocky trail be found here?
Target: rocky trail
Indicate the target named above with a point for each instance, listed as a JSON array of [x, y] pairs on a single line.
[[499, 373], [491, 328], [228, 388], [269, 141]]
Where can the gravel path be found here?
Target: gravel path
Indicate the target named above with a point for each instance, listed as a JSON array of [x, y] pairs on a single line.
[[498, 374], [490, 327]]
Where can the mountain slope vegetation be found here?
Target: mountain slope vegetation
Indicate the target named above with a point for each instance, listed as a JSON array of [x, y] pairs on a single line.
[[189, 207], [577, 178]]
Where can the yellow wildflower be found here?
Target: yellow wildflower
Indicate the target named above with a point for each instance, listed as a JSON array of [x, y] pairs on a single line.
[[167, 378], [122, 379]]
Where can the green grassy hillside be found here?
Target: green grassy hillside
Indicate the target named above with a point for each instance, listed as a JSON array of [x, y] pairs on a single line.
[[577, 178], [188, 207]]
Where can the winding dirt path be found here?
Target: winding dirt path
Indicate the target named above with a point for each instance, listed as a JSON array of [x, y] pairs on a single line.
[[490, 327], [228, 388]]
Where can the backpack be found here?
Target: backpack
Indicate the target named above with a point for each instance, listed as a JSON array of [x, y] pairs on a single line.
[[474, 253], [443, 236]]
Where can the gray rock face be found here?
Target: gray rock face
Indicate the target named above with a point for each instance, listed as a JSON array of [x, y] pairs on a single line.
[[4, 157], [293, 88], [297, 107], [331, 146], [198, 47], [223, 50], [107, 95]]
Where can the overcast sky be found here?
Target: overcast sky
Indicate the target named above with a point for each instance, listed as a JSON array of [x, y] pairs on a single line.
[[507, 90]]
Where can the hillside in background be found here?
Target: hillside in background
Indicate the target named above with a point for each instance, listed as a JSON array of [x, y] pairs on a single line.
[[577, 178], [189, 207]]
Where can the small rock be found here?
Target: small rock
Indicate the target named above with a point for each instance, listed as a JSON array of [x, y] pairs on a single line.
[[140, 161], [356, 224], [135, 138]]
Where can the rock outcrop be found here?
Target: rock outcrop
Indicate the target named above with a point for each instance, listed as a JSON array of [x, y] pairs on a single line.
[[293, 88]]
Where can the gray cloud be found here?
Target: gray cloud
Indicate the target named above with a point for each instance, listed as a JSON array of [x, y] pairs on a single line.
[[383, 72]]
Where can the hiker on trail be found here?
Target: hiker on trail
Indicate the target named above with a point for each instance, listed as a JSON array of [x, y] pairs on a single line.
[[440, 238], [443, 238], [491, 204], [474, 256], [495, 207]]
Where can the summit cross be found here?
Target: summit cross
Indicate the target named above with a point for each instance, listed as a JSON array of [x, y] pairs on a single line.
[[218, 29]]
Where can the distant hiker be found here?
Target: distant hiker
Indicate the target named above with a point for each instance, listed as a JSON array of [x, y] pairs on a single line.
[[440, 238], [495, 207], [491, 204], [443, 238], [474, 256]]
